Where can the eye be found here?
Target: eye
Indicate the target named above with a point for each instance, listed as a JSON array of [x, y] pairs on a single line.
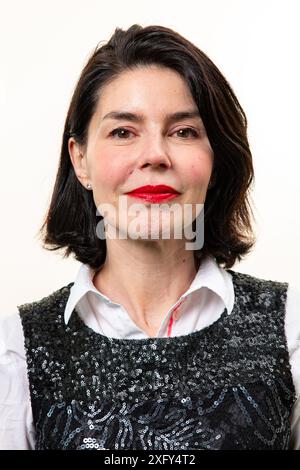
[[188, 130], [120, 132]]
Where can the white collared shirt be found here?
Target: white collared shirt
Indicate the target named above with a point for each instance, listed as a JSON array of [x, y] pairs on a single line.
[[201, 305], [209, 292]]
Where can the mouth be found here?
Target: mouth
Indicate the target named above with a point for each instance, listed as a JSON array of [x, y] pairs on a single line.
[[153, 197], [153, 193]]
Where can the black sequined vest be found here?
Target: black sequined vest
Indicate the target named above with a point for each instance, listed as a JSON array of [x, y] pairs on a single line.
[[227, 386]]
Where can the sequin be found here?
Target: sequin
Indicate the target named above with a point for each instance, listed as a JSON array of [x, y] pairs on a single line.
[[227, 386]]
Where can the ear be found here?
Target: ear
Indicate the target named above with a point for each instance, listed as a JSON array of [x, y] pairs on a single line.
[[78, 159]]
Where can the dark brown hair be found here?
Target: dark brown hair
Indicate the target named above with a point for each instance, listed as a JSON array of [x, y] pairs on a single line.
[[71, 219]]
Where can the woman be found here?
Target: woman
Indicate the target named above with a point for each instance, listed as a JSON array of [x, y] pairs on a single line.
[[155, 345]]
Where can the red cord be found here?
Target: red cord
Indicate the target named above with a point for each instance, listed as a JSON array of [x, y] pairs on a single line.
[[171, 318], [170, 325]]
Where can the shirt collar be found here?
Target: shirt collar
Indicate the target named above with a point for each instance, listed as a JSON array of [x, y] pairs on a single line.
[[215, 278], [209, 275], [83, 284]]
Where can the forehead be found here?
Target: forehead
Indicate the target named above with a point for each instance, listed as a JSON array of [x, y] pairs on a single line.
[[152, 87]]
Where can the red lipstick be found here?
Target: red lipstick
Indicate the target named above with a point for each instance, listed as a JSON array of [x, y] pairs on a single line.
[[154, 193]]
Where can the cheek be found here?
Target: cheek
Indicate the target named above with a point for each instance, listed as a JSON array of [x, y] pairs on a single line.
[[109, 177], [107, 172], [199, 171]]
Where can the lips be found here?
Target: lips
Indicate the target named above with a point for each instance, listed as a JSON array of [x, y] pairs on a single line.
[[158, 188], [154, 193]]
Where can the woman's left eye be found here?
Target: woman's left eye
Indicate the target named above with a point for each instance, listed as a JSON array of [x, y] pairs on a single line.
[[189, 130]]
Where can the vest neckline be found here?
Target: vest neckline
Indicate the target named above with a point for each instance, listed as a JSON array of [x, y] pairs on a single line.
[[209, 329]]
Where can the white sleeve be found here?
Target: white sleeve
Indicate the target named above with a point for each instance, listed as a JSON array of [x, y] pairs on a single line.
[[16, 422], [292, 329]]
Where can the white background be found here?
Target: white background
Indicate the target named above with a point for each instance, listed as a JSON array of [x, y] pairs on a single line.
[[43, 47]]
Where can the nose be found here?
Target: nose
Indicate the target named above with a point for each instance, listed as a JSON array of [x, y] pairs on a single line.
[[154, 153]]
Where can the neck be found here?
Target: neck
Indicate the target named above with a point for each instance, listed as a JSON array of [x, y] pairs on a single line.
[[147, 282]]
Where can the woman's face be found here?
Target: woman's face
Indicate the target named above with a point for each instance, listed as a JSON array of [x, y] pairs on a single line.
[[124, 153]]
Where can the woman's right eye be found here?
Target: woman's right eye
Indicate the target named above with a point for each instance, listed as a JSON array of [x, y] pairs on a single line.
[[120, 132]]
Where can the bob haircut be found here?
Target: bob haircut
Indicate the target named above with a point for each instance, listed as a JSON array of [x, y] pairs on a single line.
[[72, 217]]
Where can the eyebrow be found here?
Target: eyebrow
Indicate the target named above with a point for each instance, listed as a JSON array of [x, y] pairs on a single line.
[[170, 118]]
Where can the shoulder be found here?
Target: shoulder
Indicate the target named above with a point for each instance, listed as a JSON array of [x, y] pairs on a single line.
[[282, 290], [32, 311], [264, 293], [245, 279], [274, 294]]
